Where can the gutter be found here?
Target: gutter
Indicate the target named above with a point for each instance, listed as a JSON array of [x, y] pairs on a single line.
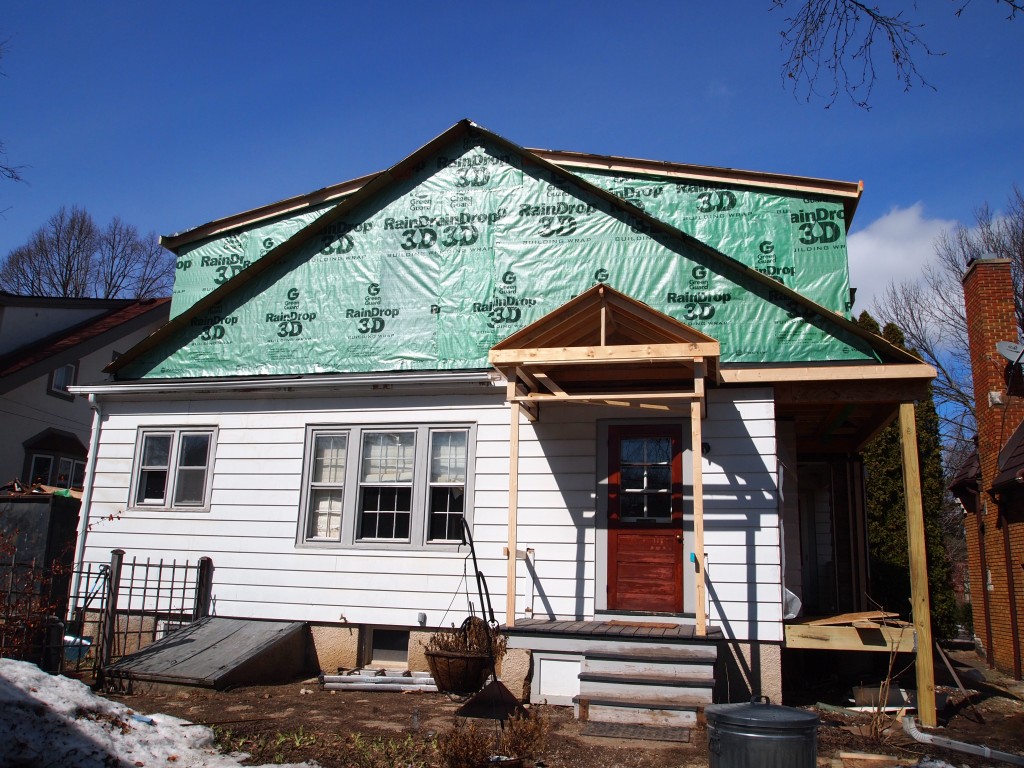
[[164, 387], [83, 512], [979, 750]]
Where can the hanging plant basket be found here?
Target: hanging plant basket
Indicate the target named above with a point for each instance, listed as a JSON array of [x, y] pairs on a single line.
[[460, 659], [458, 672]]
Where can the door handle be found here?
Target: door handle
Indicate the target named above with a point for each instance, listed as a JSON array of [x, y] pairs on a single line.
[[679, 537]]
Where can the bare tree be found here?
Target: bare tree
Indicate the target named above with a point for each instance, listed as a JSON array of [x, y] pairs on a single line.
[[931, 310], [7, 171], [71, 257], [831, 45]]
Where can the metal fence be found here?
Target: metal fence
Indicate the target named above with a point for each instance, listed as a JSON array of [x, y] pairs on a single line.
[[86, 618]]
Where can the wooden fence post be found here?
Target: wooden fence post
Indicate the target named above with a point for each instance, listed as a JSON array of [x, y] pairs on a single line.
[[110, 608], [204, 589]]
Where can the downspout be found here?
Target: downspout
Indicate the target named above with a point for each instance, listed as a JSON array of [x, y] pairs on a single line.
[[84, 510], [983, 558], [1011, 590], [980, 750]]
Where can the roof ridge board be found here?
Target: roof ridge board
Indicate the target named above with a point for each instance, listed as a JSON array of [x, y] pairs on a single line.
[[786, 182], [663, 167], [402, 168]]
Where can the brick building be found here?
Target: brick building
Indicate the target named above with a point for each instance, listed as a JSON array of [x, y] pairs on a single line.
[[991, 487]]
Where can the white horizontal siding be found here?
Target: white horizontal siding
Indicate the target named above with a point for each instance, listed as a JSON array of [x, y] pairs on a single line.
[[250, 529]]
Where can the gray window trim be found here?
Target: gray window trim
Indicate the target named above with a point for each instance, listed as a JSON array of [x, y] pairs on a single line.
[[172, 468], [419, 528], [51, 385]]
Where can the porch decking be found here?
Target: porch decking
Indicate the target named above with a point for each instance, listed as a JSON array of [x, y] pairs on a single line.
[[621, 629]]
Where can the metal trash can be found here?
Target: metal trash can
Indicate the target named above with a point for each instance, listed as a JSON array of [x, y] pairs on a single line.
[[761, 735]]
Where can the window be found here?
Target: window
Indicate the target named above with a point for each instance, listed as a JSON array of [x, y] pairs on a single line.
[[386, 486], [62, 378], [173, 468]]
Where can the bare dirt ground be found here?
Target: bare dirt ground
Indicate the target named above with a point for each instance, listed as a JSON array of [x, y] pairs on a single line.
[[299, 721]]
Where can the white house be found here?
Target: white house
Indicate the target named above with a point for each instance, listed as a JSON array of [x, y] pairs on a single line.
[[636, 381]]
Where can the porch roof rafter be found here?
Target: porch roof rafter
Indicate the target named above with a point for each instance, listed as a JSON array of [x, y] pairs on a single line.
[[605, 347]]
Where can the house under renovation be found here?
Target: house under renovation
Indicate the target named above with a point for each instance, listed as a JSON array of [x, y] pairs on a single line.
[[637, 384]]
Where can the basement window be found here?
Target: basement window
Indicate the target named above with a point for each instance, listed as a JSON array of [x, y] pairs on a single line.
[[389, 647]]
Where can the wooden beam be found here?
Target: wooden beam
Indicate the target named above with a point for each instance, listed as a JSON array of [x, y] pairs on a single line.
[[698, 515], [828, 638], [850, 391], [615, 352], [918, 567], [513, 515], [827, 373], [639, 396], [550, 384]]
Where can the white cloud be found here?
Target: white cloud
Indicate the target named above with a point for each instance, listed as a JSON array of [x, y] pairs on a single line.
[[892, 248]]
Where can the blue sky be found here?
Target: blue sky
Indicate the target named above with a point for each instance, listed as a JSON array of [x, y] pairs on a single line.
[[173, 114]]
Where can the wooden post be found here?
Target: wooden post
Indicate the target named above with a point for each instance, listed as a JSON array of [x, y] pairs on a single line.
[[109, 625], [513, 514], [698, 514], [204, 589], [918, 567]]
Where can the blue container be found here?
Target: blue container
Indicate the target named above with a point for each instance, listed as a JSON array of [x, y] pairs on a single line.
[[761, 735]]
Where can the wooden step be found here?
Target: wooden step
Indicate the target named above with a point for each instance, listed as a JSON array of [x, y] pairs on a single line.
[[644, 687], [652, 711]]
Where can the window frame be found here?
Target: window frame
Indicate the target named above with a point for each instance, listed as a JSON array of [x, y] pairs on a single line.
[[54, 390], [174, 466], [351, 512]]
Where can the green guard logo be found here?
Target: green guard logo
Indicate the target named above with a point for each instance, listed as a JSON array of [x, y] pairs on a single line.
[[767, 247], [601, 275], [293, 294], [508, 278], [373, 289]]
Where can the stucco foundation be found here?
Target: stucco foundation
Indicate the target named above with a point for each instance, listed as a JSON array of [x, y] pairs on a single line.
[[335, 646], [748, 669]]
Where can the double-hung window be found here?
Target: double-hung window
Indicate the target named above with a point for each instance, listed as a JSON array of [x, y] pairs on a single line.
[[172, 468], [404, 486]]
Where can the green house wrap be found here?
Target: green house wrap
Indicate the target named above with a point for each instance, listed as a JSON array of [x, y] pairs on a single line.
[[431, 263]]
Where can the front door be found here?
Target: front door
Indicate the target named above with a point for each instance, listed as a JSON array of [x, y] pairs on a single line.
[[645, 518]]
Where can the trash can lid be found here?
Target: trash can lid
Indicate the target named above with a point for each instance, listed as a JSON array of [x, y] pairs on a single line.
[[760, 711]]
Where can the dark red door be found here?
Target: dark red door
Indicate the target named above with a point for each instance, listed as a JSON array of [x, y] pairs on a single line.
[[645, 518]]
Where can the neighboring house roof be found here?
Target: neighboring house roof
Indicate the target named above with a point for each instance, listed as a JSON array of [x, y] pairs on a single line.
[[54, 440], [1011, 462], [404, 169], [40, 357]]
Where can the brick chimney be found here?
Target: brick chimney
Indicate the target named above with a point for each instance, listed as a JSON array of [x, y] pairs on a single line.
[[991, 318], [992, 555]]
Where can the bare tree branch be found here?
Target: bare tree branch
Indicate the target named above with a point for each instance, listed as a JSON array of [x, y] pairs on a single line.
[[831, 45], [71, 257], [7, 171], [931, 310]]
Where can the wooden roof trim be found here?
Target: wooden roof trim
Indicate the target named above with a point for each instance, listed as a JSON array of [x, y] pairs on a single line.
[[616, 353], [573, 313], [827, 373], [295, 204], [849, 191]]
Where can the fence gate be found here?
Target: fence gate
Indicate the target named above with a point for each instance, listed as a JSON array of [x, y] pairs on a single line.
[[84, 618]]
